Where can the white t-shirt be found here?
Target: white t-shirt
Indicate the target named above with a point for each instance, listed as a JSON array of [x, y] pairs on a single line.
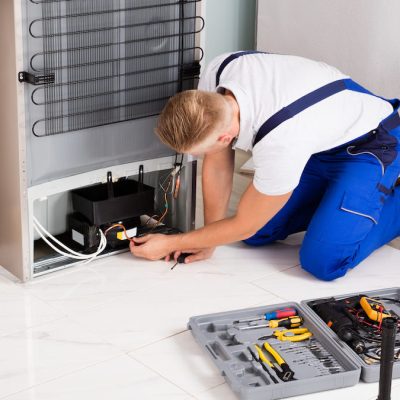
[[265, 83]]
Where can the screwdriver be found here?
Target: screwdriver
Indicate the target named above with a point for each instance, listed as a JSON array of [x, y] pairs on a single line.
[[286, 312], [290, 322], [181, 259]]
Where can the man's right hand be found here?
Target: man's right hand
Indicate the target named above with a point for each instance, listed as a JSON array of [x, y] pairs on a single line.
[[195, 255]]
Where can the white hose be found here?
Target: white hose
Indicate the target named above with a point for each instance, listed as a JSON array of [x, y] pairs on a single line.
[[70, 253], [44, 231]]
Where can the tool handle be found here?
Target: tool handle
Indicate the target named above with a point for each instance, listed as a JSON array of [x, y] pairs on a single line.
[[389, 329], [290, 322], [181, 259], [287, 373], [278, 314], [274, 354], [262, 357], [297, 336], [374, 309]]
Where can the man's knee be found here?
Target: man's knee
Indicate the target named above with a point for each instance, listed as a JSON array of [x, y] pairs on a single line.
[[326, 261], [266, 235]]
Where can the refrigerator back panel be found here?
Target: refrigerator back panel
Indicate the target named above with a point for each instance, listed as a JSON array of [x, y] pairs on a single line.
[[96, 63]]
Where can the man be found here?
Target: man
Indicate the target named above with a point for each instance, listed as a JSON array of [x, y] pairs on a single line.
[[326, 156]]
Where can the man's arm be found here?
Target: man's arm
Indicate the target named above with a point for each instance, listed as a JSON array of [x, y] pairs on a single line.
[[217, 184], [254, 211], [217, 187]]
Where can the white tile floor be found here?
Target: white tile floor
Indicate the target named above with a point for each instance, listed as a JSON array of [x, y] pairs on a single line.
[[116, 329]]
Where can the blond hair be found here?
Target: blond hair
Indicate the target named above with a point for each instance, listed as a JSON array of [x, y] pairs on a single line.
[[190, 117]]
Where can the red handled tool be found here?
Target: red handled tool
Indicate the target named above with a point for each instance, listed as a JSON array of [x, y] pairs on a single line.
[[278, 314]]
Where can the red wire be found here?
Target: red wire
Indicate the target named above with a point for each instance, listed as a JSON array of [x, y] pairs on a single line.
[[119, 226], [381, 319], [360, 319]]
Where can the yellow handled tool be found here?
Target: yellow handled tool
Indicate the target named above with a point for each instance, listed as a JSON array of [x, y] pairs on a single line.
[[274, 354], [284, 373], [374, 309], [289, 322], [262, 356], [264, 360], [289, 335]]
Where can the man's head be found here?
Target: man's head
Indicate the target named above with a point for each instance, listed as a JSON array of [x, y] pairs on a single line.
[[198, 122]]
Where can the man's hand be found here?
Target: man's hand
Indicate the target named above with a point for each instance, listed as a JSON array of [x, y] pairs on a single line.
[[196, 255], [255, 209], [152, 247], [158, 246]]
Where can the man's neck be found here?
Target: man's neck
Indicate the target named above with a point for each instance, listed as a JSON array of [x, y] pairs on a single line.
[[236, 112]]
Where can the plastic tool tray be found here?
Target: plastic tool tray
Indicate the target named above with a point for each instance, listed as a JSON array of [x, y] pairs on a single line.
[[319, 363], [366, 331]]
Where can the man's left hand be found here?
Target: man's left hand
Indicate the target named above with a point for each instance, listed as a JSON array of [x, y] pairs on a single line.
[[152, 247]]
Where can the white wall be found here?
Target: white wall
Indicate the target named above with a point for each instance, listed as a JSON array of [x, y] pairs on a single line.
[[360, 37], [230, 26]]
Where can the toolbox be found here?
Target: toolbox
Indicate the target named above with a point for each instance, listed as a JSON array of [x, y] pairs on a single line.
[[235, 342], [369, 371]]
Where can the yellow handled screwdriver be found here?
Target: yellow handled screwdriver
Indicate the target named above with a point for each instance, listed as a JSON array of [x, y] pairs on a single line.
[[290, 322]]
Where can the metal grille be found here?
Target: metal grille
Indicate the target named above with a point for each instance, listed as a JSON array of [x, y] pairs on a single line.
[[111, 60]]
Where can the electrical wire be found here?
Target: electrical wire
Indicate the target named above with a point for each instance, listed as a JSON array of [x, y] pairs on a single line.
[[387, 299], [69, 253], [166, 205], [164, 214], [175, 173], [118, 226]]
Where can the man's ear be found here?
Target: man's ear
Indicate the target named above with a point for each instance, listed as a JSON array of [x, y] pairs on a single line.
[[225, 138]]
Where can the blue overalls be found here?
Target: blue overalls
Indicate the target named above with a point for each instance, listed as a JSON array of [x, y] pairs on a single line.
[[347, 199]]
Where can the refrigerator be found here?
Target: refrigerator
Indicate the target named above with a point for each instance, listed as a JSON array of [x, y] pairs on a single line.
[[83, 84]]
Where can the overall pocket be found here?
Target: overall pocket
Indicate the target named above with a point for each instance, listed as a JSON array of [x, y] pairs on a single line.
[[381, 145], [368, 207], [364, 213]]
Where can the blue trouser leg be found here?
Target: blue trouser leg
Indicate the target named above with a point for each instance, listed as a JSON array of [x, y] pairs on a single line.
[[340, 202], [387, 229], [298, 211], [329, 261], [354, 217]]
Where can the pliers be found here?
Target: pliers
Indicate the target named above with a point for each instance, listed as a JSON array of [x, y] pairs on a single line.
[[289, 335], [263, 360], [285, 374]]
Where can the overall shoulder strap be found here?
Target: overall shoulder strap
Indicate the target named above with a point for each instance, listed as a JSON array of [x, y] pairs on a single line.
[[229, 59], [305, 102], [390, 122]]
